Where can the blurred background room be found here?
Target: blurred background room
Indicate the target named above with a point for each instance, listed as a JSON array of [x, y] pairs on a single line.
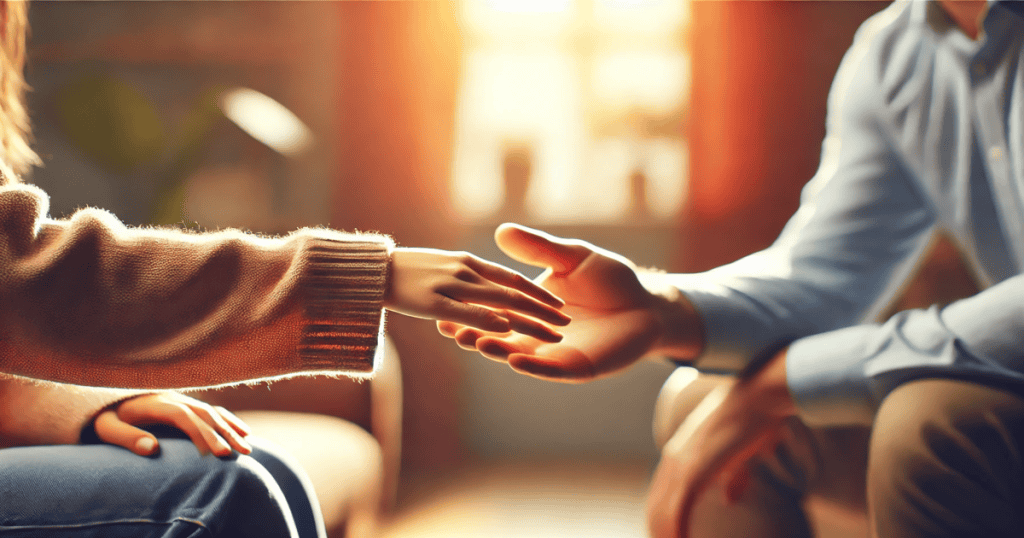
[[676, 133]]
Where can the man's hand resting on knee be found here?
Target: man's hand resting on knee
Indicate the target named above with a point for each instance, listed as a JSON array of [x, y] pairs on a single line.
[[717, 442]]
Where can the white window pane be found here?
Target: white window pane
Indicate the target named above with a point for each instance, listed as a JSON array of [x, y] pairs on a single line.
[[666, 163], [654, 82], [528, 6], [479, 189], [514, 19], [603, 191], [641, 16], [513, 98]]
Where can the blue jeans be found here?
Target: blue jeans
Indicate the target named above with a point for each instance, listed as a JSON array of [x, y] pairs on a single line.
[[105, 491]]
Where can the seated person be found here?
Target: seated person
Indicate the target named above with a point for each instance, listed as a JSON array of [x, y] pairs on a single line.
[[917, 424], [88, 302]]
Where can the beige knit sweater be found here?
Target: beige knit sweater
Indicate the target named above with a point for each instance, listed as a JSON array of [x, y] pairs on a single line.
[[88, 301]]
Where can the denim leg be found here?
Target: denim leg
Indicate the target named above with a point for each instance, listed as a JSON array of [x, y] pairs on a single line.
[[105, 491], [297, 488]]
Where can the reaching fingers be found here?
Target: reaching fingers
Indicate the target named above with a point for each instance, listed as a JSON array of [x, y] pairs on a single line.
[[568, 367], [500, 297], [449, 328], [528, 335], [112, 430], [512, 279], [466, 337], [501, 347], [472, 315], [533, 328], [540, 249], [485, 319]]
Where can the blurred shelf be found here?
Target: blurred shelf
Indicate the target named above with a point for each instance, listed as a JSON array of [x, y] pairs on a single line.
[[182, 33]]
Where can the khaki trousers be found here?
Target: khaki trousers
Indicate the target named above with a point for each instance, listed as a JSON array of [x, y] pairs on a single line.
[[943, 458]]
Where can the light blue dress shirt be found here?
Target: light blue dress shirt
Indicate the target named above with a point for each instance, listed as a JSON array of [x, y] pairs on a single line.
[[925, 134]]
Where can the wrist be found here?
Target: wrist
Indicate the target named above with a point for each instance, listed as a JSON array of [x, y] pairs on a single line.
[[772, 385], [680, 329], [389, 275]]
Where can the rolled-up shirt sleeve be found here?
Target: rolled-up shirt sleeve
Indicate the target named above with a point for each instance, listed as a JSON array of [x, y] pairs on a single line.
[[886, 183], [861, 228]]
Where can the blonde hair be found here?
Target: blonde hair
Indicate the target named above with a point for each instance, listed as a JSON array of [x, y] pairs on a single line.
[[16, 155]]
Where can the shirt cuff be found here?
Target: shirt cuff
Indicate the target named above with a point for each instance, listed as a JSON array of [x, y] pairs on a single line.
[[734, 326], [826, 376]]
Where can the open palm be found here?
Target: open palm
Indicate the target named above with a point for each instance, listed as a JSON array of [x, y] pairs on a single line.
[[615, 319]]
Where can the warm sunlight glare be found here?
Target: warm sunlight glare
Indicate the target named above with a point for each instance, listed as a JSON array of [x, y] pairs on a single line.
[[565, 110], [266, 120], [520, 21], [517, 98], [655, 82], [666, 165], [650, 17], [529, 6]]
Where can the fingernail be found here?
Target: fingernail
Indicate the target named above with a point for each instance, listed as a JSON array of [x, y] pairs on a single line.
[[493, 351], [553, 337], [145, 445], [245, 445]]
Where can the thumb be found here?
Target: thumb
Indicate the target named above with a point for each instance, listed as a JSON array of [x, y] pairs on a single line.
[[540, 249], [112, 430]]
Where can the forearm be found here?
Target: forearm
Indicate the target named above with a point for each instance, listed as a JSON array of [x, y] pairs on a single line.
[[843, 376], [89, 301], [864, 222], [43, 413]]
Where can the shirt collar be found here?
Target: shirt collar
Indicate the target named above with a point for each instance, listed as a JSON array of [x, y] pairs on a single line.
[[941, 22]]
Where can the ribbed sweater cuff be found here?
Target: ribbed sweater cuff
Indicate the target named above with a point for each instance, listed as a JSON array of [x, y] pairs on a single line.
[[344, 284]]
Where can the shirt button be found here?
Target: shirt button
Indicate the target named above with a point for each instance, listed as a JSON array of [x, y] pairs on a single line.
[[995, 153]]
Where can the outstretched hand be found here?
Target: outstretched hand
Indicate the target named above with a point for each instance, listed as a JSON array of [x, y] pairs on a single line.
[[462, 288], [615, 319], [717, 442], [212, 429]]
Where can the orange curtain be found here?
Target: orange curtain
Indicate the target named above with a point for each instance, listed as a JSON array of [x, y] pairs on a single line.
[[761, 73], [398, 71]]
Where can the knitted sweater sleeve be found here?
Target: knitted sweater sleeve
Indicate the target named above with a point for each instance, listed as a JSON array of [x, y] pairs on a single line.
[[89, 301]]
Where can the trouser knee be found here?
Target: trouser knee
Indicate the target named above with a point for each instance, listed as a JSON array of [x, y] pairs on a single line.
[[944, 460], [101, 490], [294, 483], [679, 396], [245, 500]]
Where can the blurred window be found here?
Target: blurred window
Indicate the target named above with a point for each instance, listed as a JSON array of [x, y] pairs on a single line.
[[572, 111]]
